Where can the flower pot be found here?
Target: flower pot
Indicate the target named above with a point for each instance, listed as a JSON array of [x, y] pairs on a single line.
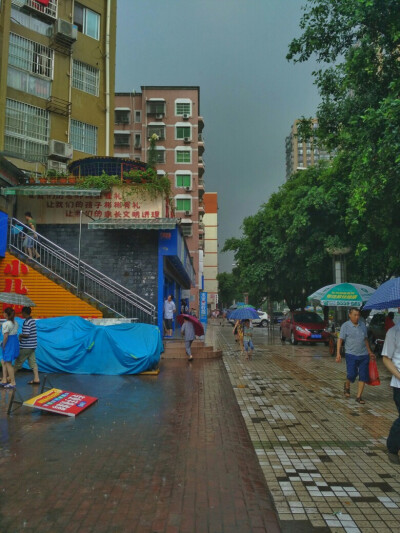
[[62, 180], [42, 180]]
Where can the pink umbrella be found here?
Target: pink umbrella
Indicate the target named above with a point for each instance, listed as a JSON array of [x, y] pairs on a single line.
[[198, 326]]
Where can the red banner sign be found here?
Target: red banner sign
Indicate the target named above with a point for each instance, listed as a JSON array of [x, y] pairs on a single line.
[[61, 402]]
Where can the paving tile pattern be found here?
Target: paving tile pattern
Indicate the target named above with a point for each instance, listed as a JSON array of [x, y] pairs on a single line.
[[165, 454], [323, 456]]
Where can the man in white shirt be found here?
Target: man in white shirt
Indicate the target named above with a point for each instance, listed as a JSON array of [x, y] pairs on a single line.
[[391, 360], [169, 310]]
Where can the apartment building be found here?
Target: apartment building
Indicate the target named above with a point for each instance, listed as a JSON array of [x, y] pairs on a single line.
[[173, 114], [57, 81], [210, 221], [302, 154]]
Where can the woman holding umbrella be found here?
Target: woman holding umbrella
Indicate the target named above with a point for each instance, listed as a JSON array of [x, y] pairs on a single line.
[[191, 327]]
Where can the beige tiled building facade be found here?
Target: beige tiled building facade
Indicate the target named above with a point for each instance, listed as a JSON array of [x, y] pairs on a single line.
[[173, 114], [300, 154], [210, 221], [57, 81]]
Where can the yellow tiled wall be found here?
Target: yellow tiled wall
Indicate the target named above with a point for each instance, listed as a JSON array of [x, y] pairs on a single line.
[[50, 299]]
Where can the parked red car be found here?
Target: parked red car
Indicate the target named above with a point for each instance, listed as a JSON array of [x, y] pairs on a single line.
[[304, 326]]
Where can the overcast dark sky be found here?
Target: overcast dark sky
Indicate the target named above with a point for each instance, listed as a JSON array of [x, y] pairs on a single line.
[[250, 95]]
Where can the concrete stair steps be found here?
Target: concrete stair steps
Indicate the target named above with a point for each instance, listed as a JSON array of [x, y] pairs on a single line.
[[179, 355], [175, 349]]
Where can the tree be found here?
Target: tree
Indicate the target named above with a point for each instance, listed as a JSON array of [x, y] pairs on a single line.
[[358, 41], [229, 288], [283, 253]]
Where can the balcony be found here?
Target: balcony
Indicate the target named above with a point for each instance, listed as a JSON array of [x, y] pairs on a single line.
[[201, 123], [201, 144], [201, 227], [201, 166], [48, 12], [201, 207]]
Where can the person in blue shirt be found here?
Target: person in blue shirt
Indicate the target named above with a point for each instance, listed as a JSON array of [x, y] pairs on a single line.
[[353, 334]]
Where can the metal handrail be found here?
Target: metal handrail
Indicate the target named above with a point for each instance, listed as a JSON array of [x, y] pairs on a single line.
[[79, 275]]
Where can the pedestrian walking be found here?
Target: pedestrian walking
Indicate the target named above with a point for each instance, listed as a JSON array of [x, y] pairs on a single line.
[[10, 348], [248, 339], [357, 352], [169, 310], [187, 331], [389, 322], [238, 334], [27, 346], [391, 360], [31, 236]]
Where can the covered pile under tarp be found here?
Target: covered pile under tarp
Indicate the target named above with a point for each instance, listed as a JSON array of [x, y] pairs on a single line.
[[73, 345]]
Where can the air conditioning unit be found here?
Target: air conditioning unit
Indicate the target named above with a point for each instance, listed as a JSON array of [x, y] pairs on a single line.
[[159, 115], [65, 32], [186, 139], [188, 213], [188, 189], [185, 116], [56, 165], [60, 150]]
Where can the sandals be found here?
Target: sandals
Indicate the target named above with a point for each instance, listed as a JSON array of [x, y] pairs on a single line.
[[9, 386], [360, 400], [33, 382], [346, 391]]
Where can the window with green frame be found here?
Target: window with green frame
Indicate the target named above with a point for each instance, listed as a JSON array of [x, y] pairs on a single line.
[[182, 132], [182, 108], [183, 156], [183, 180], [183, 204]]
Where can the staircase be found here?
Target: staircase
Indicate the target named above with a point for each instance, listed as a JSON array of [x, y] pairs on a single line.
[[113, 299], [175, 349]]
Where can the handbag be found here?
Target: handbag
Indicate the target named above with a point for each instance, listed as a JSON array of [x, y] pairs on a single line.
[[373, 373]]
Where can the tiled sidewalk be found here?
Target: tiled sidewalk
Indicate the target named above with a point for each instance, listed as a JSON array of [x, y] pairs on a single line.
[[166, 454], [323, 456]]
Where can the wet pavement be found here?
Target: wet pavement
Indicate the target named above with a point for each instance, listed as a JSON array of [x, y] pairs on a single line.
[[168, 453], [323, 456]]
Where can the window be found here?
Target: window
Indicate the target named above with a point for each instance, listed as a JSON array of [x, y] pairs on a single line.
[[160, 156], [83, 137], [30, 56], [158, 130], [26, 131], [183, 180], [182, 132], [122, 139], [23, 81], [187, 230], [183, 156], [29, 21], [155, 108], [87, 21], [121, 116], [138, 140], [138, 116], [183, 204], [85, 78], [183, 108]]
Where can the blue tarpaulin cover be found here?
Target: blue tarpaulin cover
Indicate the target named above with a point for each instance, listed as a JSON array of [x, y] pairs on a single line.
[[73, 345]]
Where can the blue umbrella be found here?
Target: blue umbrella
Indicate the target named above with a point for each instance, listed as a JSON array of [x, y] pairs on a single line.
[[243, 313], [386, 296]]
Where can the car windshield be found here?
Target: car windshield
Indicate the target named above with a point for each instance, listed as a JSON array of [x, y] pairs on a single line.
[[308, 318]]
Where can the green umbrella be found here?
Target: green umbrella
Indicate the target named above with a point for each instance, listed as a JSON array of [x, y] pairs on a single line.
[[342, 295]]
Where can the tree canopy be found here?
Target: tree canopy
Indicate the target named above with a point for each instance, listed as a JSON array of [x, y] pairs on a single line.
[[354, 200]]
